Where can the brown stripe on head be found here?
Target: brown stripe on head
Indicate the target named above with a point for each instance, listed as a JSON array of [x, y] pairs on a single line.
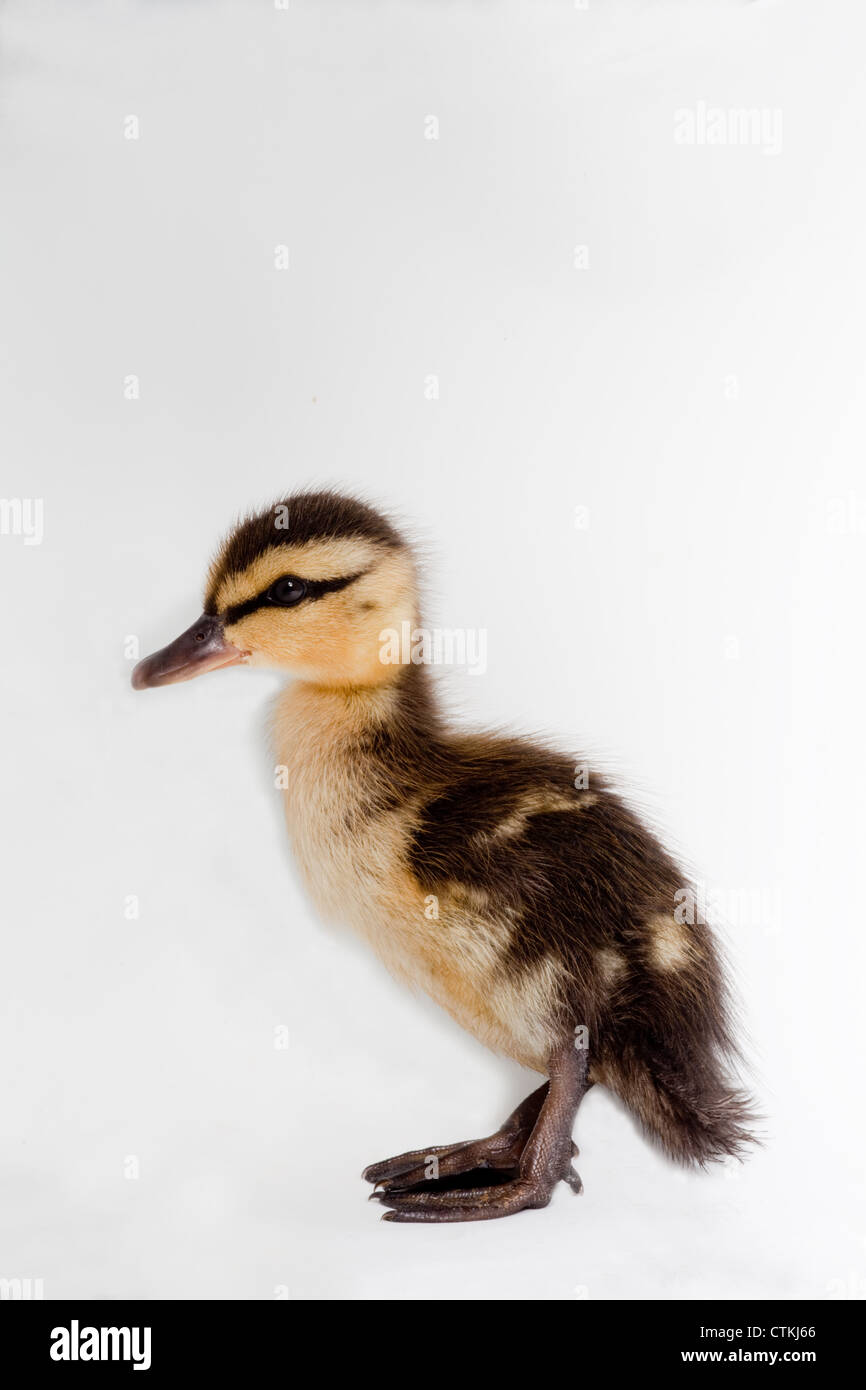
[[317, 534], [315, 559]]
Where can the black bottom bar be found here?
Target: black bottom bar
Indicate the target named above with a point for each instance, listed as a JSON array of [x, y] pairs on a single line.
[[160, 1338]]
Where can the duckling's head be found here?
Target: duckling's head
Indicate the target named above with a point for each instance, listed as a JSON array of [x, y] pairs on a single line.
[[307, 586]]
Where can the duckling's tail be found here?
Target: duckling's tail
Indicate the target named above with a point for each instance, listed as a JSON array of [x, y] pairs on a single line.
[[694, 1113]]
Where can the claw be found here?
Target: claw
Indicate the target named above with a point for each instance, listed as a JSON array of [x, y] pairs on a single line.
[[572, 1177]]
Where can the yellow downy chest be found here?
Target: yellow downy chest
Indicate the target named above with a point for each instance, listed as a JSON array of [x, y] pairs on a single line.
[[354, 862]]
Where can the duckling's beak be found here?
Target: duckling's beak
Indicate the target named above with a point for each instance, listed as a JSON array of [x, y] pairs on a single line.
[[201, 648]]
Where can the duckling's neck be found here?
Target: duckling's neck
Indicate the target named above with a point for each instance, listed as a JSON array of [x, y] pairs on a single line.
[[381, 731], [354, 764]]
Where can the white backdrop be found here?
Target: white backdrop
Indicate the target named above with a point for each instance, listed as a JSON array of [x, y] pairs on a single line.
[[666, 335]]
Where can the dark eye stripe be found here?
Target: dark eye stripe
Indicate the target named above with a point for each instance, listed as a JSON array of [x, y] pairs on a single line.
[[314, 588]]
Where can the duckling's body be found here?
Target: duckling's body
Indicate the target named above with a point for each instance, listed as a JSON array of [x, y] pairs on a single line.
[[498, 876], [368, 775]]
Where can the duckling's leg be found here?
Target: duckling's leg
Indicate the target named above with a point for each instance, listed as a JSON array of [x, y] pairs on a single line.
[[544, 1156]]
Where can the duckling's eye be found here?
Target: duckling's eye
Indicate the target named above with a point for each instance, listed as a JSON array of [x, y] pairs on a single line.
[[287, 591]]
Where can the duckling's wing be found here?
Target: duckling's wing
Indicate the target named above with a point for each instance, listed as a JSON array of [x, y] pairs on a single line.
[[544, 847]]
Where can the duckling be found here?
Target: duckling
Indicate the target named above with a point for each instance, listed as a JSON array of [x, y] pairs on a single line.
[[511, 884]]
